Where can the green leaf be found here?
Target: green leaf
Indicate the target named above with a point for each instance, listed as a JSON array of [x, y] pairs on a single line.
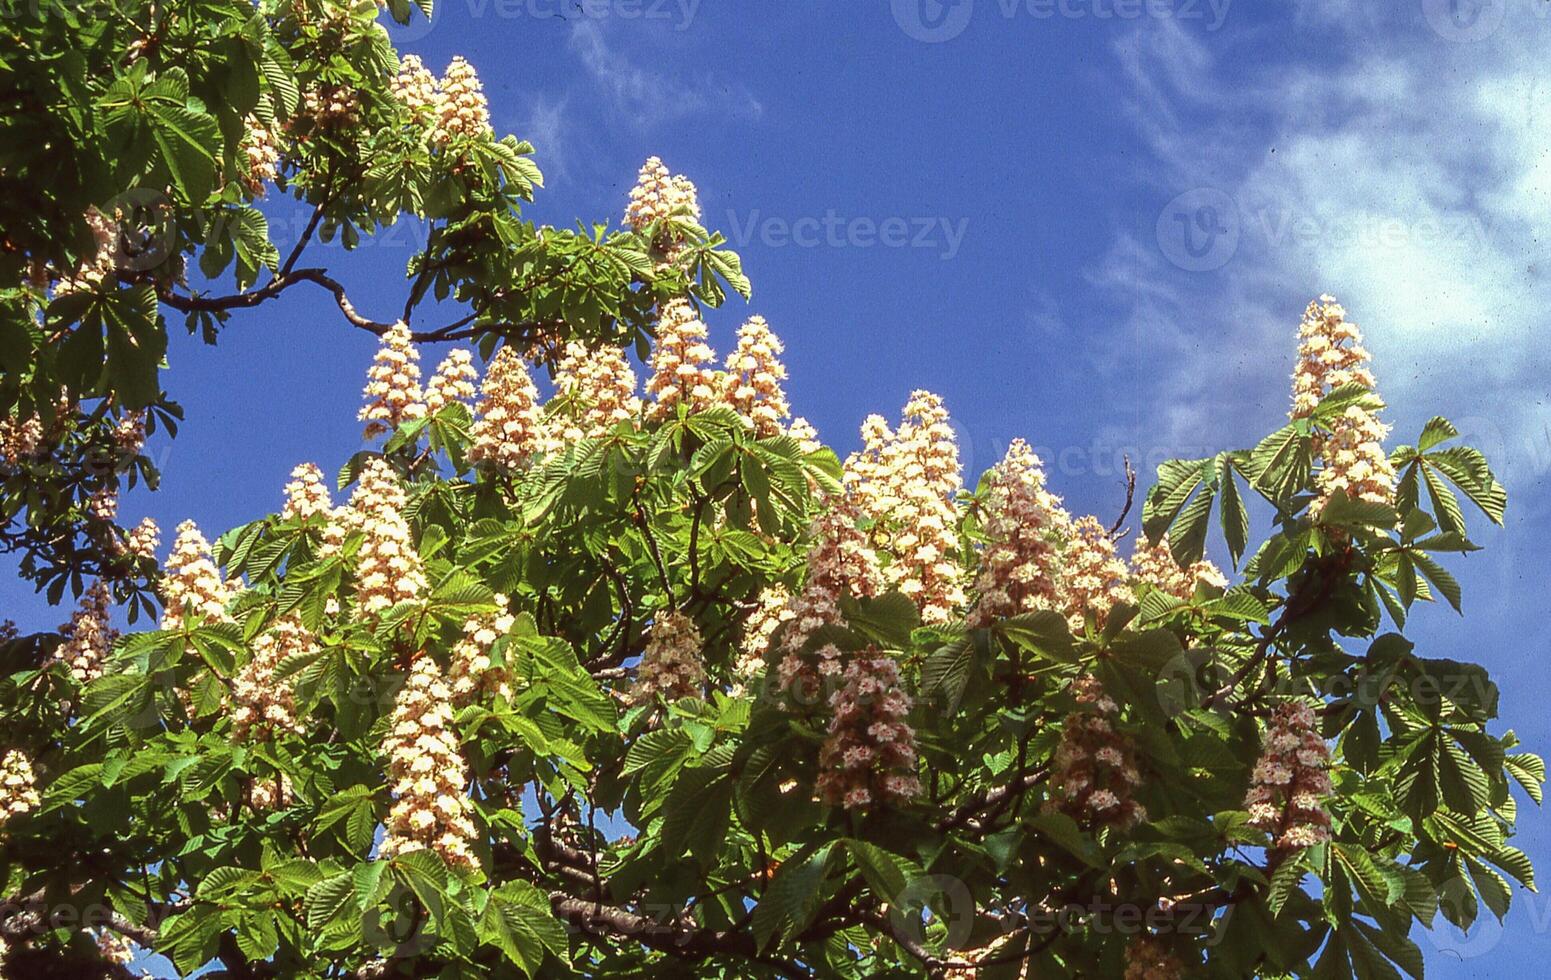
[[517, 920], [424, 873], [1235, 516], [330, 902], [189, 141], [1530, 772], [697, 812], [792, 898], [890, 875]]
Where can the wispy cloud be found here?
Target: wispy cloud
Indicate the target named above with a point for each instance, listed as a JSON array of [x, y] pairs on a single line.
[[1414, 182], [545, 128], [645, 97]]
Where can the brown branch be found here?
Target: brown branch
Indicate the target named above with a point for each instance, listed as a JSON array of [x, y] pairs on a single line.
[[460, 329], [991, 800], [1114, 529]]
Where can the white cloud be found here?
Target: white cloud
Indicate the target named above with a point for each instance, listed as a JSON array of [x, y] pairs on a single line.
[[1414, 183], [645, 98], [545, 128]]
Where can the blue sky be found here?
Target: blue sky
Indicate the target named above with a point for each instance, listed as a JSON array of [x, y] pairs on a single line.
[[1116, 211]]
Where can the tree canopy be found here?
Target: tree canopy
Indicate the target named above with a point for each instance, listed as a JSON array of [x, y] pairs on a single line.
[[600, 662]]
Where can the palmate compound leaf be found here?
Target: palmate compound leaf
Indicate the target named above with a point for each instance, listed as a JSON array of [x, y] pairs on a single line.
[[792, 898], [892, 877], [1180, 505], [517, 920]]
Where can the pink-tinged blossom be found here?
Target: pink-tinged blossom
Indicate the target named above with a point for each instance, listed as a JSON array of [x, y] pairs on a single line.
[[88, 637], [1291, 779], [1095, 776], [657, 197], [839, 564], [264, 705], [673, 664], [869, 756], [1018, 566]]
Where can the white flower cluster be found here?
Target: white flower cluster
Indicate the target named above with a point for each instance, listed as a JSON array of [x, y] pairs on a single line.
[[332, 106], [393, 394], [672, 665], [101, 265], [1018, 567], [772, 608], [869, 756], [840, 563], [1154, 564], [1148, 957], [143, 540], [1291, 779], [88, 637], [1093, 578], [260, 150], [806, 435], [752, 384], [103, 505], [1355, 461], [472, 674], [509, 430], [657, 196], [114, 948], [388, 570], [907, 481], [594, 392], [18, 789], [1330, 355], [456, 380], [20, 439], [428, 775], [306, 495], [680, 361], [190, 580], [272, 793], [1095, 773], [463, 110], [416, 89], [265, 706], [129, 433]]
